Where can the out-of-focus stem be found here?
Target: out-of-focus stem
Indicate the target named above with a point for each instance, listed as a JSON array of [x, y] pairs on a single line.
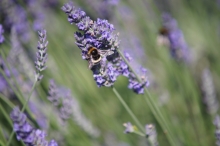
[[128, 109], [155, 110]]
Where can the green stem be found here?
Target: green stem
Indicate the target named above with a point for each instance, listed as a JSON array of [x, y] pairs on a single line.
[[139, 133], [128, 109], [2, 136], [6, 115], [156, 112], [32, 90], [159, 117], [2, 97], [8, 120], [17, 93], [22, 110]]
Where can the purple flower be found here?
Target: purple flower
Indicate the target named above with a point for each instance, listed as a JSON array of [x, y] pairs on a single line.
[[53, 96], [24, 131], [1, 34], [217, 129], [100, 80], [112, 2], [40, 117], [127, 56], [52, 143], [179, 49], [69, 107], [41, 54], [136, 85], [60, 100], [123, 69], [129, 128], [209, 94], [151, 134], [3, 84], [106, 63]]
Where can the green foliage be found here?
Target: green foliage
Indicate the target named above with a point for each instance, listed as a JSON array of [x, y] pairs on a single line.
[[175, 87]]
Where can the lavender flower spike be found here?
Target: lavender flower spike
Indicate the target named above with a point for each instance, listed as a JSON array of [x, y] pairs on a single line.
[[1, 34], [69, 107], [151, 134], [179, 49], [25, 132], [129, 127], [217, 129], [41, 54], [209, 94]]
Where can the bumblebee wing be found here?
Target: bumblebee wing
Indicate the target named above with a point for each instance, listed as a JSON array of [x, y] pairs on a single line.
[[105, 52], [107, 84], [91, 64]]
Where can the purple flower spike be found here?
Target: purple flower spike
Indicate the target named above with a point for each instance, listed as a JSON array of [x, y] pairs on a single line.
[[208, 91], [1, 34], [74, 16], [99, 46], [21, 127], [179, 49], [151, 134], [41, 54], [217, 129], [68, 107], [52, 143], [25, 132], [129, 128]]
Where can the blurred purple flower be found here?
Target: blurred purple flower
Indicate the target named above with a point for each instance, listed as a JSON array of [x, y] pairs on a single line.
[[41, 54], [1, 34], [179, 49], [151, 134], [129, 128], [134, 84], [53, 95], [19, 57], [3, 84], [217, 129], [112, 2], [19, 21], [69, 107], [209, 94], [35, 9], [25, 132], [39, 116]]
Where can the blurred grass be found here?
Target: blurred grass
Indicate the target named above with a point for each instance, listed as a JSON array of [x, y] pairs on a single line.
[[199, 21]]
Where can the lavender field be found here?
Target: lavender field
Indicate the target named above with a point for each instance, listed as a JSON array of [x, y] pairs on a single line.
[[109, 73]]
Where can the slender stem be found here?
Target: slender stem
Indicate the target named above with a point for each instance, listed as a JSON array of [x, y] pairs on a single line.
[[9, 121], [2, 97], [1, 144], [139, 133], [159, 116], [2, 135], [156, 112], [17, 93], [128, 109], [6, 115], [32, 90], [22, 110]]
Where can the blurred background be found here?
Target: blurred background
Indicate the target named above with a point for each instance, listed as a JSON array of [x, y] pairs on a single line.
[[176, 40]]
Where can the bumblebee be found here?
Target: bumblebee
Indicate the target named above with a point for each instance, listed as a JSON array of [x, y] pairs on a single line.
[[162, 38], [163, 31], [94, 55]]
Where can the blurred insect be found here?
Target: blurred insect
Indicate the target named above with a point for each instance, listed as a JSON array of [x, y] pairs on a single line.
[[163, 31], [94, 55], [162, 38]]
